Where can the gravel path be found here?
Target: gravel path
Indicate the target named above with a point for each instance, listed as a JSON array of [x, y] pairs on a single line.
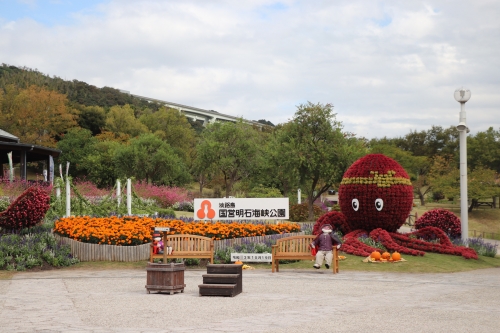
[[289, 301]]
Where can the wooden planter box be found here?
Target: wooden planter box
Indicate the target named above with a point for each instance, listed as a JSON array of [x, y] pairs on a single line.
[[165, 277]]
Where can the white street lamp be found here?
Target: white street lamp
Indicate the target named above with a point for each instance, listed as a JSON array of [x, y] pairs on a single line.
[[462, 95]]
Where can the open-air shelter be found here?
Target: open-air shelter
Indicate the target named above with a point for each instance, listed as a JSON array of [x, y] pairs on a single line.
[[22, 153]]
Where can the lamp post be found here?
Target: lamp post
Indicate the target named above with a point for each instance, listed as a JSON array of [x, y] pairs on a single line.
[[462, 95]]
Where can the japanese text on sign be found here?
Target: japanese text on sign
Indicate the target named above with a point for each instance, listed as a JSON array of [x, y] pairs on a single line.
[[241, 209], [251, 257]]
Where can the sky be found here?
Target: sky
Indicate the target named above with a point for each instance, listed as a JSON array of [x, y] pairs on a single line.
[[387, 67]]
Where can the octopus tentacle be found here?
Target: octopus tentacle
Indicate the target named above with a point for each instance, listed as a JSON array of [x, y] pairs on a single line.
[[353, 245], [385, 238]]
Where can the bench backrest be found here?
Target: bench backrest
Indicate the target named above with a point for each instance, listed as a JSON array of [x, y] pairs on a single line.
[[189, 243], [295, 244]]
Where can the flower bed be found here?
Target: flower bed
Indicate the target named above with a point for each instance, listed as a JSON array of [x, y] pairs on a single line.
[[131, 230]]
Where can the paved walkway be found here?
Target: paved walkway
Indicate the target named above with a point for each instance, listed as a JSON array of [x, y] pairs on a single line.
[[289, 301]]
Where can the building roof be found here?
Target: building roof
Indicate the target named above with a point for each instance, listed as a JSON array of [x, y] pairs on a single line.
[[6, 136]]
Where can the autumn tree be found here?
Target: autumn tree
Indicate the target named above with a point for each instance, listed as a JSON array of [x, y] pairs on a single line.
[[36, 115]]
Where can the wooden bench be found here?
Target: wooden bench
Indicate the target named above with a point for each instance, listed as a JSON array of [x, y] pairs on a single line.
[[185, 246], [297, 248], [483, 203]]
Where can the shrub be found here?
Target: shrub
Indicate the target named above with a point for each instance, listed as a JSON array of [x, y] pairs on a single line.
[[4, 203], [442, 219], [300, 212], [27, 210], [481, 247], [261, 191], [185, 206], [164, 195], [31, 248]]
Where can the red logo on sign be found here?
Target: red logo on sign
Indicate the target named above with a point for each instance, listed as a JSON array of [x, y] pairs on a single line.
[[205, 210]]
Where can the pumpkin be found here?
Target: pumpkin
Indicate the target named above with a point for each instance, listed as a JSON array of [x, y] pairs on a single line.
[[386, 255], [375, 255], [238, 262], [396, 256]]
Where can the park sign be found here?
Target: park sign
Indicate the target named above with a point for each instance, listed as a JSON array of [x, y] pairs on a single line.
[[241, 209], [252, 257]]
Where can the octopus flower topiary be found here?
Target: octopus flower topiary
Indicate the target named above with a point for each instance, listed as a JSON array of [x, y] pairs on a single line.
[[376, 192], [376, 197]]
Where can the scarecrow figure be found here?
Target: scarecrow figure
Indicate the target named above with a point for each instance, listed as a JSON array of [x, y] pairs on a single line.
[[157, 243], [324, 243]]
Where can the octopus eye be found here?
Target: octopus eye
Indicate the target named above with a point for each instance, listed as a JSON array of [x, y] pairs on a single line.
[[355, 204], [379, 204]]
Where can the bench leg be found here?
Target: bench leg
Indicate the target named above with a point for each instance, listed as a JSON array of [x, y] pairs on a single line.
[[335, 261]]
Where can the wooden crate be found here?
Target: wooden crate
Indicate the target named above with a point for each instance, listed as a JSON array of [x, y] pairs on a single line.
[[165, 277]]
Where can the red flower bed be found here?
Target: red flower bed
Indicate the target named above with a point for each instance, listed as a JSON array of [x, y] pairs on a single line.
[[442, 219], [27, 210]]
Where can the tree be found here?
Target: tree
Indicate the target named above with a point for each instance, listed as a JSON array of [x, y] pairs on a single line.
[[36, 115], [101, 163], [484, 149], [481, 182], [279, 168], [121, 120], [76, 145], [318, 149], [417, 167], [231, 149], [172, 127], [92, 118], [151, 159]]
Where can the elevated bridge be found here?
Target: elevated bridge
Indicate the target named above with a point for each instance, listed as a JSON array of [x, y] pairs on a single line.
[[197, 114]]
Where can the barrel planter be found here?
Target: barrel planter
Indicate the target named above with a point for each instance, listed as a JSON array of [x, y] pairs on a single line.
[[165, 277]]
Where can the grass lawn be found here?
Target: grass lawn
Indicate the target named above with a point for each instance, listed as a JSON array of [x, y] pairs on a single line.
[[430, 263]]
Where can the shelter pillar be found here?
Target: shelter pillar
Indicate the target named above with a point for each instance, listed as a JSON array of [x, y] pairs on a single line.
[[22, 164]]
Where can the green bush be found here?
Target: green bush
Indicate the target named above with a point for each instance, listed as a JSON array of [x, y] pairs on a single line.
[[261, 191]]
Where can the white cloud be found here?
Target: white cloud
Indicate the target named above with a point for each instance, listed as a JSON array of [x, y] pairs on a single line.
[[387, 67]]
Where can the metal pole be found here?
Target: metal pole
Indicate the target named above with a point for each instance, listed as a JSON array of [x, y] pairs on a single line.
[[68, 198], [118, 192], [464, 206], [299, 198], [129, 196]]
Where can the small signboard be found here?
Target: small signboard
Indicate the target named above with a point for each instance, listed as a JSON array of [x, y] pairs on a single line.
[[252, 257], [162, 229]]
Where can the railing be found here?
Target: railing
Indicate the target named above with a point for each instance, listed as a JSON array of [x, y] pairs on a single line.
[[484, 234]]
